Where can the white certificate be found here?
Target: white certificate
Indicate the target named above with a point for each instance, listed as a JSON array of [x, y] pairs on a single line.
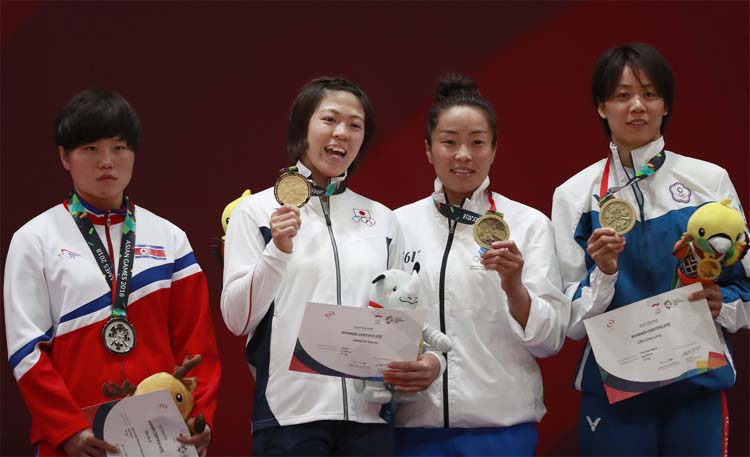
[[654, 342], [144, 425], [356, 342]]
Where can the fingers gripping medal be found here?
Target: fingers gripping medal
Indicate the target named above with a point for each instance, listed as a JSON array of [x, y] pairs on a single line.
[[490, 228], [291, 188], [617, 214]]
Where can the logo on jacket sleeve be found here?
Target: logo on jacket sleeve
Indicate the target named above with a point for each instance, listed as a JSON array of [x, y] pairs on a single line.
[[67, 254], [150, 252], [680, 193], [363, 216]]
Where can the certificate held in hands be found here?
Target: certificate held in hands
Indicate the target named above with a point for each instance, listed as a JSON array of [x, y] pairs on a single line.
[[358, 343], [654, 342], [144, 425]]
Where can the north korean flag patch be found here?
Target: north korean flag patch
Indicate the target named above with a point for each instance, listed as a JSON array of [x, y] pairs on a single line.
[[150, 251]]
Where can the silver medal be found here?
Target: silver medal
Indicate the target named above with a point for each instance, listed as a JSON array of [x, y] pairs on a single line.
[[118, 336]]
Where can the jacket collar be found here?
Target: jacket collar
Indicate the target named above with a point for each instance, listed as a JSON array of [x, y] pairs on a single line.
[[477, 202], [307, 173], [99, 217], [639, 156]]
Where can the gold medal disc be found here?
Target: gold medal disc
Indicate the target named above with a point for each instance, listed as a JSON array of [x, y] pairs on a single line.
[[709, 269], [489, 228], [292, 188], [617, 214]]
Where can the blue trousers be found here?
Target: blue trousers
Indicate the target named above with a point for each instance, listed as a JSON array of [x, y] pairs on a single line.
[[324, 438], [516, 440], [650, 424]]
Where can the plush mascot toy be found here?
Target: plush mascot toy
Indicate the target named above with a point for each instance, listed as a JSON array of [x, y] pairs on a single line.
[[217, 246], [396, 289], [716, 237], [180, 387]]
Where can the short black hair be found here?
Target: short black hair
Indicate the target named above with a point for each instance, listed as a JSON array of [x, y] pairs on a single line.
[[96, 114], [641, 58], [459, 90], [307, 101]]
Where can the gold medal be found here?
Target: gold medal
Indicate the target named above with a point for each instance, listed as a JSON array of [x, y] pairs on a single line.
[[489, 228], [291, 188], [617, 214], [709, 269]]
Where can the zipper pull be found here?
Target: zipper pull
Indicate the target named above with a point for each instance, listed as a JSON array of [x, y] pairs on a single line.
[[108, 221], [452, 227]]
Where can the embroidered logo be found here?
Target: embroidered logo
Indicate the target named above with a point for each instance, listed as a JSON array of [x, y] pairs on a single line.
[[150, 252], [363, 216], [66, 254], [593, 424], [680, 193]]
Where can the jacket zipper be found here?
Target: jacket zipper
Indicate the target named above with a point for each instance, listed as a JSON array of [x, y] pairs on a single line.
[[107, 224], [326, 213], [443, 267]]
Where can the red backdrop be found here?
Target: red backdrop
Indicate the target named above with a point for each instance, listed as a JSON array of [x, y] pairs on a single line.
[[213, 83]]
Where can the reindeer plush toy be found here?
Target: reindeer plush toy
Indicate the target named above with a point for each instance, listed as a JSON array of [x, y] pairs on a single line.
[[180, 387], [397, 289]]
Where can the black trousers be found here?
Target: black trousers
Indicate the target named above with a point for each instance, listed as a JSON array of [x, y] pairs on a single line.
[[325, 438]]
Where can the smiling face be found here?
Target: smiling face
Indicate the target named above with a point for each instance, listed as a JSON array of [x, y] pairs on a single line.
[[634, 112], [100, 171], [334, 135], [461, 151]]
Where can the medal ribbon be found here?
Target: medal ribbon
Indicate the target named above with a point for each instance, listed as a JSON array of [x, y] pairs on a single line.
[[333, 188], [651, 167], [119, 285], [464, 216]]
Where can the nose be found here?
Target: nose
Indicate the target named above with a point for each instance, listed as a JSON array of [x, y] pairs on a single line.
[[106, 158], [463, 153], [340, 132], [637, 104]]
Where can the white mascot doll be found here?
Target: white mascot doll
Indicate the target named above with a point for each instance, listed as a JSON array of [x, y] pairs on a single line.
[[397, 289]]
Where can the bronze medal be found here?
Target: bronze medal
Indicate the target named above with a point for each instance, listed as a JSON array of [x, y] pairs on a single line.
[[709, 269], [490, 228], [291, 188], [617, 214], [118, 336]]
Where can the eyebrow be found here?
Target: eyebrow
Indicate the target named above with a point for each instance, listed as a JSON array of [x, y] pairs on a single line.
[[333, 110], [473, 132]]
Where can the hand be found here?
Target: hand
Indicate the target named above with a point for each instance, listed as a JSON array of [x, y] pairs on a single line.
[[604, 246], [285, 224], [412, 377], [713, 295], [199, 440], [84, 443], [507, 260]]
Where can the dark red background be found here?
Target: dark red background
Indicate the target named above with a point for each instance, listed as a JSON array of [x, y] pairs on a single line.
[[213, 83]]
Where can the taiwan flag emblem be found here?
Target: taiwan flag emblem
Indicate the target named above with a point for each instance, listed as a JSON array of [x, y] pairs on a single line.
[[151, 252]]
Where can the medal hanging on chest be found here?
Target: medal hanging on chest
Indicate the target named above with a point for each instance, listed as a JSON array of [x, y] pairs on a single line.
[[292, 188], [118, 334], [488, 228], [617, 213]]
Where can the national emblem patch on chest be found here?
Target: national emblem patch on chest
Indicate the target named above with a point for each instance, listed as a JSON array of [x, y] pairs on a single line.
[[680, 192], [363, 216], [150, 252]]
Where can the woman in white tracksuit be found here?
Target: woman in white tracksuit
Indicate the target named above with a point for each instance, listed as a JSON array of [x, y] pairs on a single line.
[[277, 259], [502, 307]]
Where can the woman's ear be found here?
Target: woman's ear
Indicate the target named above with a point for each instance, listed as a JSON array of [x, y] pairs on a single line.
[[428, 151], [63, 157], [600, 110]]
